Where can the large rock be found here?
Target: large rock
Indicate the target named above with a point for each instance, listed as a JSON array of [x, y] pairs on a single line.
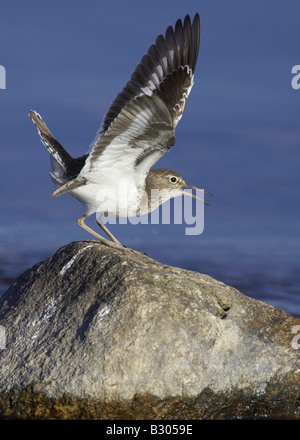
[[94, 332]]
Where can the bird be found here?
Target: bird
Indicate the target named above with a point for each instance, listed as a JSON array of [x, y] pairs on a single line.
[[116, 176]]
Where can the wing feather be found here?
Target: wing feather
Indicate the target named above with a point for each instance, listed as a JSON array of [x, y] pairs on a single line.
[[177, 49], [138, 128], [143, 125]]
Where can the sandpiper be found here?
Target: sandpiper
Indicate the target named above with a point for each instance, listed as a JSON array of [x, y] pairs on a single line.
[[115, 177]]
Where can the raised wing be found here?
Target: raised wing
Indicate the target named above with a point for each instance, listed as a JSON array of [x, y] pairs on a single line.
[[166, 70], [137, 138], [139, 126]]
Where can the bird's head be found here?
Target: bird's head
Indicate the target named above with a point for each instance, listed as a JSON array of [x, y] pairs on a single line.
[[170, 184]]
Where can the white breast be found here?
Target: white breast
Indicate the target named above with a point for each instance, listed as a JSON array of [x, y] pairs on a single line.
[[118, 198]]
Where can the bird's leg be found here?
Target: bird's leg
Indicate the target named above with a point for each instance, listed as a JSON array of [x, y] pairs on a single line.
[[109, 234], [105, 229], [103, 240]]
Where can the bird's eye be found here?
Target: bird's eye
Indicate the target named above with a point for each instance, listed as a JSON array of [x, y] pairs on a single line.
[[173, 179]]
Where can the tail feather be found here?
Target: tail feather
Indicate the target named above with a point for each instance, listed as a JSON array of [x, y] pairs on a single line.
[[57, 151], [64, 167]]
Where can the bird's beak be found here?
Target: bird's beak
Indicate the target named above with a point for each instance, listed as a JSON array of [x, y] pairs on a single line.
[[187, 185]]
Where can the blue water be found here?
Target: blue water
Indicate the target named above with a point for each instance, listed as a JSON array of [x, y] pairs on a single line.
[[239, 137]]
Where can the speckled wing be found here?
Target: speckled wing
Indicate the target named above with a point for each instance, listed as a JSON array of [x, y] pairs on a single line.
[[139, 126], [167, 70], [138, 137]]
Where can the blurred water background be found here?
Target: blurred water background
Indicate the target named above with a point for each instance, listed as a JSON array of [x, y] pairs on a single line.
[[239, 137]]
